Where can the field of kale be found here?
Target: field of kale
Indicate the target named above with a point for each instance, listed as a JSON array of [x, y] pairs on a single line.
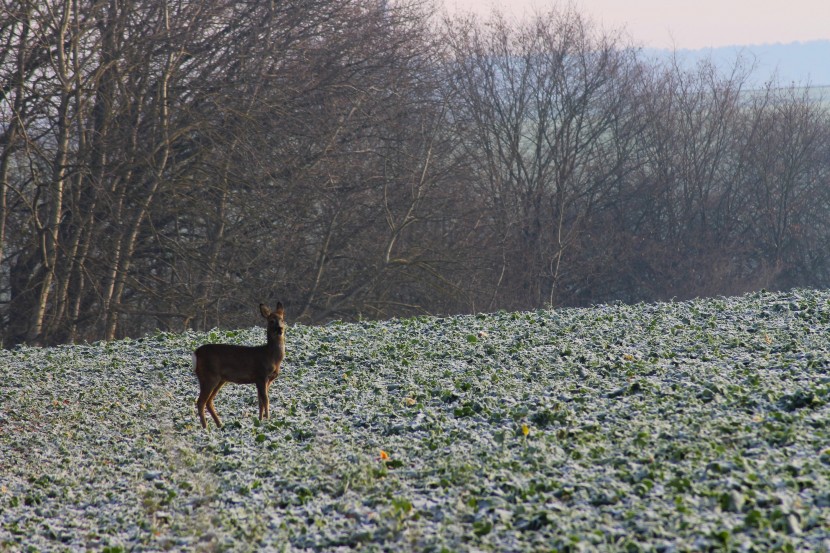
[[684, 426]]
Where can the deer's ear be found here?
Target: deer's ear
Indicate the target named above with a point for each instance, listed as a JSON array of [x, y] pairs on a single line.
[[279, 309], [264, 310]]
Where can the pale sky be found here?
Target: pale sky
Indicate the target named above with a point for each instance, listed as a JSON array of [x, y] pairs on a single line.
[[678, 24]]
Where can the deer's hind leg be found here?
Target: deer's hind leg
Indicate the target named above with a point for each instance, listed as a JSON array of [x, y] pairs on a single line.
[[210, 407], [204, 394], [207, 390]]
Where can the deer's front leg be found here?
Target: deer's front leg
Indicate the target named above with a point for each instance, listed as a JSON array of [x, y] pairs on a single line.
[[262, 394]]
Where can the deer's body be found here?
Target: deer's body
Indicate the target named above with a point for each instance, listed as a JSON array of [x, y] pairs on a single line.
[[217, 364]]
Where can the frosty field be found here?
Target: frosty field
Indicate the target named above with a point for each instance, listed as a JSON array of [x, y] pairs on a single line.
[[685, 426]]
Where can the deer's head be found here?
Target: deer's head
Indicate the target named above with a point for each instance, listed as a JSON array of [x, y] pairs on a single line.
[[275, 326]]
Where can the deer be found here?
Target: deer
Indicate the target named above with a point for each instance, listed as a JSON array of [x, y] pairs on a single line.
[[217, 364]]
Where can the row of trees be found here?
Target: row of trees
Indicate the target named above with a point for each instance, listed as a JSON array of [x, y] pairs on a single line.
[[172, 163]]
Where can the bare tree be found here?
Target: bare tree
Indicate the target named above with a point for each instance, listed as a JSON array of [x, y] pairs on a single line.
[[681, 205], [786, 186], [537, 105]]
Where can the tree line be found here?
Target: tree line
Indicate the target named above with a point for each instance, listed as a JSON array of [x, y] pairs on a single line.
[[168, 164]]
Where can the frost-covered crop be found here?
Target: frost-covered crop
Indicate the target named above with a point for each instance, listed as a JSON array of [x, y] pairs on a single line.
[[663, 427]]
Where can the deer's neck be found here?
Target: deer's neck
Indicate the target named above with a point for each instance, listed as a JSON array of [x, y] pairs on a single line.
[[276, 347]]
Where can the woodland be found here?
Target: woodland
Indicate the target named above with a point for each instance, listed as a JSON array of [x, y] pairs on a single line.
[[170, 164]]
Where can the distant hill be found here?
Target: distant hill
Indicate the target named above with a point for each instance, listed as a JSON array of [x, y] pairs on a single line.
[[800, 63]]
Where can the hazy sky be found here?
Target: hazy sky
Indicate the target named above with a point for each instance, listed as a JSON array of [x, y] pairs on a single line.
[[689, 23]]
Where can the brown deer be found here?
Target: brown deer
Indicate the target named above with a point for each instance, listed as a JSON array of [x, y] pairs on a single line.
[[217, 364]]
